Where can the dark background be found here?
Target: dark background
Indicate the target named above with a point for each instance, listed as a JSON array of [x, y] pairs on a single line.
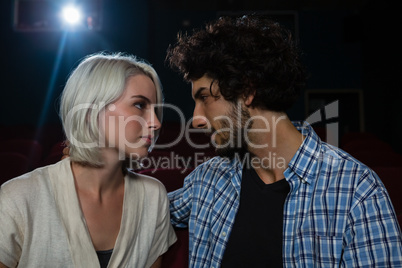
[[346, 45]]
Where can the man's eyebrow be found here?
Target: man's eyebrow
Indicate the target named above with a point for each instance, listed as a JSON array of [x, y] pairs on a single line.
[[198, 93]]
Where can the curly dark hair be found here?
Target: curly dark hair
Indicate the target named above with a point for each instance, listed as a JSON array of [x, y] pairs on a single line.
[[246, 55]]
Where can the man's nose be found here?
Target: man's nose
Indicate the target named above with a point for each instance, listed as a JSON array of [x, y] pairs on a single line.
[[199, 119]]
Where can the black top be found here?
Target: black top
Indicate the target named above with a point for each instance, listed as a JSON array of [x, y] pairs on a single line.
[[104, 257], [256, 238]]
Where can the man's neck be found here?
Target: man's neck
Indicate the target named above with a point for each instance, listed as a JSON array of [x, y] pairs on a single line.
[[274, 148]]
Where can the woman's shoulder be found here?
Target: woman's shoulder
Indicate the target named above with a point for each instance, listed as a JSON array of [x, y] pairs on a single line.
[[26, 182], [146, 190], [150, 183], [29, 184]]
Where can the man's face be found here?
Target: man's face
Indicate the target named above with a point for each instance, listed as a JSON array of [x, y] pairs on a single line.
[[225, 119]]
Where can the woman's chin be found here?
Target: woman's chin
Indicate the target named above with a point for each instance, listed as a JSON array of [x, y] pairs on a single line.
[[137, 154]]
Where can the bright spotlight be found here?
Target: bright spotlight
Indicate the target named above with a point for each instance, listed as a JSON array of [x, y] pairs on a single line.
[[71, 15]]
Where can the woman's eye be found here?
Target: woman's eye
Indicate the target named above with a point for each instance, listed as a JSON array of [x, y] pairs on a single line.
[[139, 105]]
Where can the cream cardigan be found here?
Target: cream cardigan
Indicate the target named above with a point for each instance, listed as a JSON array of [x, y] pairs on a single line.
[[42, 224]]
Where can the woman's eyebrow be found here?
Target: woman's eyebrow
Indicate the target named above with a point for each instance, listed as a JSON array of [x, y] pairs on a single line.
[[141, 97]]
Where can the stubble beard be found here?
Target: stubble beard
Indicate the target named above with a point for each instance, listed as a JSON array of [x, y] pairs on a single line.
[[238, 145]]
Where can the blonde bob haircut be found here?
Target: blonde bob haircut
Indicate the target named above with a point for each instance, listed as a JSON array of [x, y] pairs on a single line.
[[98, 81]]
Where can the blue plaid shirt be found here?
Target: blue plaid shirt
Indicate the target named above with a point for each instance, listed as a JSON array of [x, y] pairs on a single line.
[[337, 214]]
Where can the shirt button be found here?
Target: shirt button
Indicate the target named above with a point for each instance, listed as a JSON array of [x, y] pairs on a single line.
[[223, 234]]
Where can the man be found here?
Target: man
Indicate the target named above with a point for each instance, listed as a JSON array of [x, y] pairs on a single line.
[[276, 195]]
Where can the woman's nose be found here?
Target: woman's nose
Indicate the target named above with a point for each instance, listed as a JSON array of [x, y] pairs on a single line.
[[154, 122]]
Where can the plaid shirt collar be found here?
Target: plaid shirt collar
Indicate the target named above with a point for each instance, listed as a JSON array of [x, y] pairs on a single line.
[[304, 163]]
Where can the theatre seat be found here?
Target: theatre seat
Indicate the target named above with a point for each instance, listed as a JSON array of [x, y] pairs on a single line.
[[392, 179], [12, 165], [30, 148], [374, 158], [367, 145], [357, 136]]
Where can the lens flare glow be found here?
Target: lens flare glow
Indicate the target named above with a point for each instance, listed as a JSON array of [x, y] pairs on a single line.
[[71, 15]]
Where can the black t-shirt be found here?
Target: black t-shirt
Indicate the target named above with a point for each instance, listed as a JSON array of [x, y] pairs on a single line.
[[104, 257], [256, 238]]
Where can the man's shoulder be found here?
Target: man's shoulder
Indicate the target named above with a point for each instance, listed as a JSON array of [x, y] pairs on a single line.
[[344, 165], [342, 159], [217, 164]]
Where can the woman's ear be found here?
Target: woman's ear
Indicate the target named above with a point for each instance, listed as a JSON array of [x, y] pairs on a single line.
[[66, 150]]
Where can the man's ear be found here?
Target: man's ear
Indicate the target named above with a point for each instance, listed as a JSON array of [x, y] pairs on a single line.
[[249, 98]]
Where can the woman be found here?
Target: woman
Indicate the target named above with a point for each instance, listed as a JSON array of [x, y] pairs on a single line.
[[88, 210]]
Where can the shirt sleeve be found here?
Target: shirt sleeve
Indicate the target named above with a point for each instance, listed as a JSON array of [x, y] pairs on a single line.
[[373, 235], [181, 203], [11, 236]]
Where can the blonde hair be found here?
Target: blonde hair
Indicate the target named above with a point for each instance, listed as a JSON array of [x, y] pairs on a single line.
[[98, 80]]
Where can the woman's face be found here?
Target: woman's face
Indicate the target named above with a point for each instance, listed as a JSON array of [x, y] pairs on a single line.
[[130, 122]]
